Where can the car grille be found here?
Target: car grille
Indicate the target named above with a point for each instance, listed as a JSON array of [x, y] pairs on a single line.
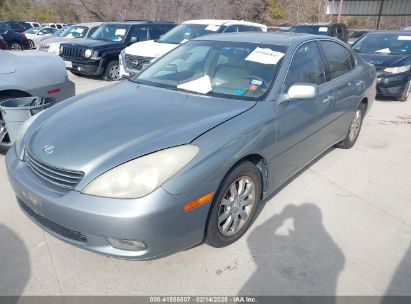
[[72, 53], [136, 62], [59, 177], [56, 228]]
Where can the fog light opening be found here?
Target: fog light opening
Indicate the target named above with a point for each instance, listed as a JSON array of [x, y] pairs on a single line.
[[129, 245]]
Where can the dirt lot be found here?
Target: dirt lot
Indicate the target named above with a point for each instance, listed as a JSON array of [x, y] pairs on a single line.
[[342, 227]]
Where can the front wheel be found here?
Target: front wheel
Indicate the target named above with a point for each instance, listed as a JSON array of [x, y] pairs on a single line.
[[112, 72], [406, 92], [355, 128], [234, 205], [31, 44]]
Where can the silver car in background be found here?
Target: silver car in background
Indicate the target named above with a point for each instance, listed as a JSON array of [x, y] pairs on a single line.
[[77, 31], [25, 74], [185, 151]]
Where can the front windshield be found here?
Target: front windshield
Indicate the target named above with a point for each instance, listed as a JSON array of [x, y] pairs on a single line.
[[185, 32], [111, 32], [315, 30], [384, 43], [32, 31], [74, 31], [216, 68], [356, 34]]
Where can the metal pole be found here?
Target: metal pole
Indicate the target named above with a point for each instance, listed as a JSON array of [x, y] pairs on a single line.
[[379, 14], [339, 11]]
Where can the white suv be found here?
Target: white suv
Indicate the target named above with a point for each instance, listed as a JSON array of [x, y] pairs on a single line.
[[135, 57]]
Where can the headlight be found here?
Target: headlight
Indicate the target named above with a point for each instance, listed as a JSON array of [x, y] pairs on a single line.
[[20, 135], [61, 49], [141, 176], [398, 70], [88, 53]]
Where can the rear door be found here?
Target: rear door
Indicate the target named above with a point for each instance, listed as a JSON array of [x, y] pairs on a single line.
[[302, 124], [347, 85]]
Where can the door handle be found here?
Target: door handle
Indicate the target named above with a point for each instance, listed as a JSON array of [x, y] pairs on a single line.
[[328, 99]]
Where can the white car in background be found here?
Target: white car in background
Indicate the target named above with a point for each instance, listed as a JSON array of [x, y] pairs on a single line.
[[34, 24], [135, 57], [80, 30], [35, 34]]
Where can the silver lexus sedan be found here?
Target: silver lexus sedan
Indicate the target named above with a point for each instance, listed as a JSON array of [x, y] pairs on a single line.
[[184, 152]]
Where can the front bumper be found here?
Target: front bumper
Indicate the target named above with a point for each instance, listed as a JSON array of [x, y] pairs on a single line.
[[87, 221], [95, 68], [392, 85]]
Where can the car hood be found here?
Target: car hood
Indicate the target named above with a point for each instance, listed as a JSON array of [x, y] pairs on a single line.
[[150, 49], [117, 124], [382, 61], [96, 44]]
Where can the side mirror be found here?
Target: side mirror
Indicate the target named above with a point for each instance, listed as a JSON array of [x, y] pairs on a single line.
[[133, 40], [300, 91]]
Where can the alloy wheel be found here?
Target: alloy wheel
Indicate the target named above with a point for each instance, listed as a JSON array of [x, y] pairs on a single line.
[[114, 72], [15, 46], [355, 125], [236, 206]]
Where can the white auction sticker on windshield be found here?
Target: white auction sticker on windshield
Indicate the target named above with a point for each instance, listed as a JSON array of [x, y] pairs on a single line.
[[323, 29], [212, 27], [201, 85], [265, 56], [404, 37], [120, 32]]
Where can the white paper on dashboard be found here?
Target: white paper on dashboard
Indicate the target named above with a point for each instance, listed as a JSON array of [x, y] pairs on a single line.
[[212, 27], [404, 37], [201, 85], [265, 56], [80, 30], [120, 32], [323, 29], [386, 50]]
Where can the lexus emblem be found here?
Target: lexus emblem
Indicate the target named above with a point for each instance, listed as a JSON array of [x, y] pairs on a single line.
[[135, 62], [49, 149]]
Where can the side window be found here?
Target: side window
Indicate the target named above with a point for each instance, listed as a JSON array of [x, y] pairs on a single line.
[[16, 27], [307, 66], [245, 28], [3, 28], [257, 29], [334, 32], [140, 32], [231, 29], [340, 32], [156, 30], [338, 58], [168, 27]]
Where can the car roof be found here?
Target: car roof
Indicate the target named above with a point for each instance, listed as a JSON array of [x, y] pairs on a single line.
[[221, 22], [315, 24], [130, 22], [89, 24], [274, 38], [390, 32]]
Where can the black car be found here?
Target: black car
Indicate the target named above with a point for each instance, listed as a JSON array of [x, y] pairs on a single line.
[[15, 26], [15, 41], [337, 30], [99, 55], [390, 52]]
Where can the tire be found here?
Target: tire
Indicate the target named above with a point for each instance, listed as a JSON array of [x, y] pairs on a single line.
[[15, 46], [354, 129], [112, 72], [406, 92], [31, 44], [221, 233]]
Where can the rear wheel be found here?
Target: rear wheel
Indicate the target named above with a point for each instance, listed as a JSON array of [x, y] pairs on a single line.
[[112, 72], [355, 128], [31, 44], [15, 46], [234, 205]]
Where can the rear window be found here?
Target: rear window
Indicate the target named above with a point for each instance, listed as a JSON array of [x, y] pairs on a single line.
[[315, 30]]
